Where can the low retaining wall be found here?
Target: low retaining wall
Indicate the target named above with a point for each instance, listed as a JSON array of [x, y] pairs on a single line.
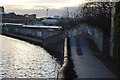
[[67, 72], [24, 31], [35, 32], [87, 31], [55, 45], [61, 73], [28, 39]]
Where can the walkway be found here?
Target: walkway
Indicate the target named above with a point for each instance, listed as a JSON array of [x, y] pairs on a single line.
[[87, 66]]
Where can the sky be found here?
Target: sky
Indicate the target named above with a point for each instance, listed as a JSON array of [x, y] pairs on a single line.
[[50, 3], [39, 7]]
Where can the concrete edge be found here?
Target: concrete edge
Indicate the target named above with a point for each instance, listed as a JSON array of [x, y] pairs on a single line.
[[61, 72], [24, 38]]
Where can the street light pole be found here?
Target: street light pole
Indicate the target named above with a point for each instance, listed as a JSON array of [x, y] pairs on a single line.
[[47, 13], [67, 13]]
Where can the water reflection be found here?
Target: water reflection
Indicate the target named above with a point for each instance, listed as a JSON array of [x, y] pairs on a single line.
[[23, 60]]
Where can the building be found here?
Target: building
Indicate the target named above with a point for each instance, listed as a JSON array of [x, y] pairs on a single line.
[[1, 13], [21, 19], [50, 21], [31, 18], [56, 16], [13, 18], [2, 9]]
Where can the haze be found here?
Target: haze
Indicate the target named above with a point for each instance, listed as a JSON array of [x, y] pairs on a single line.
[[56, 7]]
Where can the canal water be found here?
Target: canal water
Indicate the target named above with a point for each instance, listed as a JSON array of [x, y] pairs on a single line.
[[20, 59]]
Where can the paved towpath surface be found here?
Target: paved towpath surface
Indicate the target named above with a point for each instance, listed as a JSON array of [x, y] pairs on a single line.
[[87, 65]]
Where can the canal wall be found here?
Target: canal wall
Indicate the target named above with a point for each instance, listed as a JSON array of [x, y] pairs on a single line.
[[66, 72], [23, 34], [54, 44], [61, 72], [94, 34], [34, 32], [54, 41]]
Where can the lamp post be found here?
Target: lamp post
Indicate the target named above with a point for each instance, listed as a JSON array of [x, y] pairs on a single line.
[[67, 13], [47, 13]]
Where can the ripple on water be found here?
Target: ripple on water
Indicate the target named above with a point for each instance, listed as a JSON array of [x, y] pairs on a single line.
[[23, 60]]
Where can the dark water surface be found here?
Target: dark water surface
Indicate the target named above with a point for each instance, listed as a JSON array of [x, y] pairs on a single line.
[[20, 59]]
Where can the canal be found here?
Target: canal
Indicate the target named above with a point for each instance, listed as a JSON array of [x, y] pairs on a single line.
[[20, 59]]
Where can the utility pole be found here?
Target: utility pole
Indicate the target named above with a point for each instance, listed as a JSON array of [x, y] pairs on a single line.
[[68, 20], [47, 13], [67, 13]]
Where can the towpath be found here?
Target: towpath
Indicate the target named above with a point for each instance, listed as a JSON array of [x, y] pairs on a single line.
[[87, 65]]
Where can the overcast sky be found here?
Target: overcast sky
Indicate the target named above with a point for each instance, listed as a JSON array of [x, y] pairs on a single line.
[[56, 7], [39, 7]]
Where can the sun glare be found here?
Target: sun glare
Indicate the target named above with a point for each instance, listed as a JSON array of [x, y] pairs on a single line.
[[75, 2], [30, 4]]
